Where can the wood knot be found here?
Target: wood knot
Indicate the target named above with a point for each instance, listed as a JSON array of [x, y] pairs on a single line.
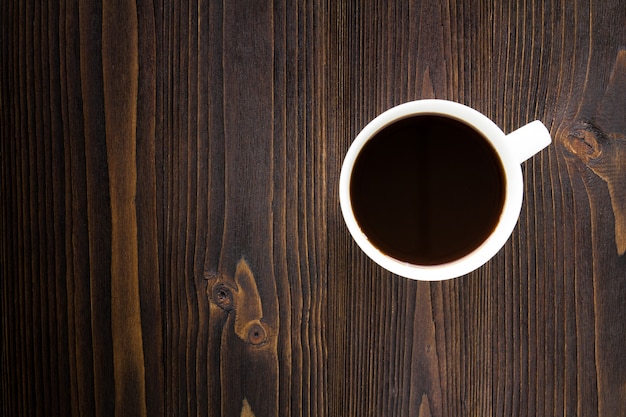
[[257, 335], [222, 296], [603, 151], [239, 296], [583, 141]]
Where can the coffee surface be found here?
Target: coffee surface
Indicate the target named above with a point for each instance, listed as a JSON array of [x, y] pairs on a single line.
[[427, 189]]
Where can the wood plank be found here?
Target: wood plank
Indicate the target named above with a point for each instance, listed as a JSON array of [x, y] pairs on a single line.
[[171, 236]]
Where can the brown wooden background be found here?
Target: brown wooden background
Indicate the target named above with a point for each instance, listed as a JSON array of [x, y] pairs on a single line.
[[171, 236]]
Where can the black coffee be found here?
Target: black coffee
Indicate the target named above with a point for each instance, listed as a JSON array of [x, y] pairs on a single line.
[[427, 189]]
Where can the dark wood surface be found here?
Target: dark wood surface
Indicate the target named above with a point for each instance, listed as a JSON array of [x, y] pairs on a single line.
[[171, 236]]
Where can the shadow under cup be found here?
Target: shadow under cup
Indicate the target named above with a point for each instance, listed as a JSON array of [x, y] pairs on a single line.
[[427, 189]]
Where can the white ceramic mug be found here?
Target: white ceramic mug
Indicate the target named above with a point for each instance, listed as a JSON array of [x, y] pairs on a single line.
[[511, 149]]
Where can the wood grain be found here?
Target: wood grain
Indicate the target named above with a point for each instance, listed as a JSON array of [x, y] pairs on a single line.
[[172, 242]]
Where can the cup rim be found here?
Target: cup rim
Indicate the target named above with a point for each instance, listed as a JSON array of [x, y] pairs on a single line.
[[513, 190]]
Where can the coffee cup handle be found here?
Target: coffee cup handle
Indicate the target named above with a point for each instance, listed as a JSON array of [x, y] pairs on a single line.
[[529, 140]]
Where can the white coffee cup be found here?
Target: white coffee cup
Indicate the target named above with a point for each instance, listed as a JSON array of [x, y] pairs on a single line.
[[511, 149]]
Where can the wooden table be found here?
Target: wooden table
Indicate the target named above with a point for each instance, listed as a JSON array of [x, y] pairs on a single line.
[[171, 236]]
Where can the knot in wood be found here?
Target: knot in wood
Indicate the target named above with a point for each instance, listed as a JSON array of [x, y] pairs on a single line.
[[257, 335], [583, 141], [222, 296], [239, 296]]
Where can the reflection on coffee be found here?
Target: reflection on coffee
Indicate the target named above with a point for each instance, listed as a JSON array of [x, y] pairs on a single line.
[[427, 189]]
